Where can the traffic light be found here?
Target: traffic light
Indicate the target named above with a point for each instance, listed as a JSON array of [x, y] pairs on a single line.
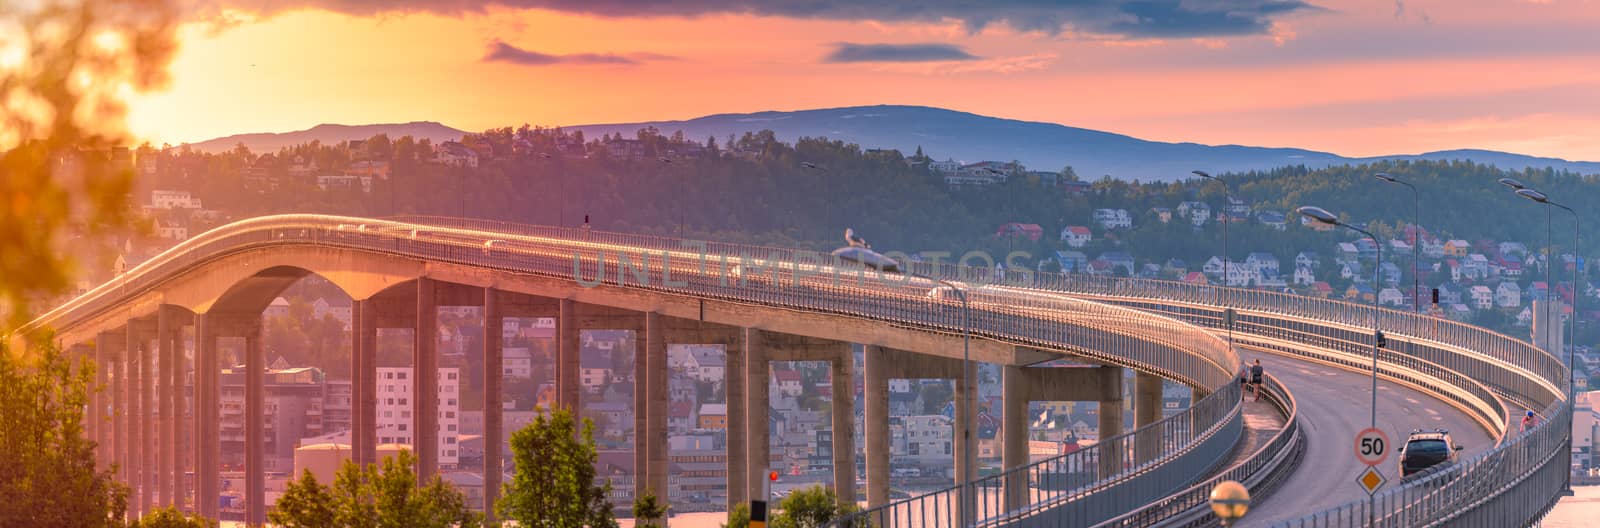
[[1383, 342]]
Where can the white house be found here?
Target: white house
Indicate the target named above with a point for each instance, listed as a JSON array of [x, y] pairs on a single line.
[[171, 230], [169, 199], [1508, 295], [1262, 262], [928, 438], [1076, 236], [947, 166], [1482, 297], [1113, 218], [1350, 270], [1303, 275], [1196, 212], [1307, 259], [1391, 297], [516, 362]]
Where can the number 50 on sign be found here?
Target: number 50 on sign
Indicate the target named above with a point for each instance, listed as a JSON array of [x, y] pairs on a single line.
[[1372, 446]]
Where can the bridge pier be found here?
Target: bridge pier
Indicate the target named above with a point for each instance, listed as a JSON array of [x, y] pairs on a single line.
[[1146, 411], [883, 364], [141, 472], [1023, 385], [763, 347], [207, 398]]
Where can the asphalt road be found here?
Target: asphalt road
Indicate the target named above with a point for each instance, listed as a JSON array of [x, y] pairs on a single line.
[[1334, 405]]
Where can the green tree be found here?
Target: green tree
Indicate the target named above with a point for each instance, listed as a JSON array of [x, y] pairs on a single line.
[[171, 517], [47, 467], [374, 497], [810, 508], [648, 511], [306, 503], [555, 485], [739, 517], [60, 172]]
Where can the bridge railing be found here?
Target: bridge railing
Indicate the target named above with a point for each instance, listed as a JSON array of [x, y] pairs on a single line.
[[1141, 465], [1261, 472]]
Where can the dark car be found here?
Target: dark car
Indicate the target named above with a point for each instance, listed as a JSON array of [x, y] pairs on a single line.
[[1425, 450]]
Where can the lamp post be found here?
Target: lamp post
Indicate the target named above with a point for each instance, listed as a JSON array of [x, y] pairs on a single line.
[[1416, 241], [827, 194], [1226, 260], [1549, 250], [668, 161], [1322, 215], [1577, 294]]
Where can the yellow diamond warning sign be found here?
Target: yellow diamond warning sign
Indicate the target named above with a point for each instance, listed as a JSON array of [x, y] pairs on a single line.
[[1371, 479]]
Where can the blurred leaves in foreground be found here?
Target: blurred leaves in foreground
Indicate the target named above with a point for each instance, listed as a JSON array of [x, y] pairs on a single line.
[[65, 173]]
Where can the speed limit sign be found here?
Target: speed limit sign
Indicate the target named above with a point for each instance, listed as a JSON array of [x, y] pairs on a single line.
[[1372, 446]]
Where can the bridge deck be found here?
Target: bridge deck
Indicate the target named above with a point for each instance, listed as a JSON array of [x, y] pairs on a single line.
[[1333, 406]]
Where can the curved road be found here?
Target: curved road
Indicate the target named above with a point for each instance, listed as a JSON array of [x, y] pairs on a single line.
[[1334, 404]]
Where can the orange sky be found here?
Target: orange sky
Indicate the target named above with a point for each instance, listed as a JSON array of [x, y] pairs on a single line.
[[1353, 77]]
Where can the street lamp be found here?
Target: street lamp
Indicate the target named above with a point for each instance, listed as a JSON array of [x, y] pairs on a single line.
[[1230, 501], [1416, 241], [1322, 215], [668, 161], [827, 194], [1226, 260], [1577, 295]]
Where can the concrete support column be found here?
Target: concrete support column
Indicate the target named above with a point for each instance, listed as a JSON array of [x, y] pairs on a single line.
[[738, 456], [493, 372], [141, 470], [658, 396], [358, 419], [119, 409], [641, 406], [567, 356], [758, 373], [364, 439], [425, 396], [182, 461], [1014, 443], [207, 469], [966, 441], [844, 426], [875, 417], [103, 404], [1146, 411], [255, 479], [1111, 460], [165, 442]]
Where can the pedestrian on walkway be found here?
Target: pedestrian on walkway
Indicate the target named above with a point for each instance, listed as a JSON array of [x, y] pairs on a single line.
[[1255, 379]]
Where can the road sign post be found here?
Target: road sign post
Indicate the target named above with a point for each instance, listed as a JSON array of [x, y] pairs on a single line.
[[1372, 446]]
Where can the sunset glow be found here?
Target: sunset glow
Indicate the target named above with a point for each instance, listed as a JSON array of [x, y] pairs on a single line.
[[1353, 77]]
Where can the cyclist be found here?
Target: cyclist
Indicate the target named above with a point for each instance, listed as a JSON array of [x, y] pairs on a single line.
[[1529, 420]]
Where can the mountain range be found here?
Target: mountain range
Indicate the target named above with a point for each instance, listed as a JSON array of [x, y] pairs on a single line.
[[943, 134]]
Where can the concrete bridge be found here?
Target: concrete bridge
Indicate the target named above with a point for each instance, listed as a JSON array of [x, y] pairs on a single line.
[[771, 305]]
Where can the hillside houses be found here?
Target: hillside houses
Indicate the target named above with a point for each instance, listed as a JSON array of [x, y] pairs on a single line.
[[1113, 218], [1076, 236]]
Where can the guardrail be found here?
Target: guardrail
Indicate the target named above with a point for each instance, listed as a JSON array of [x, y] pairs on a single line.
[[1260, 472], [1507, 484], [1187, 443]]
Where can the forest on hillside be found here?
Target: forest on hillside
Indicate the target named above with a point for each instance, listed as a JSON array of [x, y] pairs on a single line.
[[756, 189]]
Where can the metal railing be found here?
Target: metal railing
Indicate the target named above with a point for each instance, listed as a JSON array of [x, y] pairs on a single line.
[[1511, 484], [1261, 471], [1135, 467]]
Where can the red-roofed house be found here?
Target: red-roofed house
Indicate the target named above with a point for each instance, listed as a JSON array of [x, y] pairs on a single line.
[[1195, 277], [1321, 289], [1076, 236], [788, 382], [1032, 231]]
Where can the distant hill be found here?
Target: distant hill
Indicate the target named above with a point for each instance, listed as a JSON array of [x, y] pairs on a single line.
[[960, 135], [328, 134]]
